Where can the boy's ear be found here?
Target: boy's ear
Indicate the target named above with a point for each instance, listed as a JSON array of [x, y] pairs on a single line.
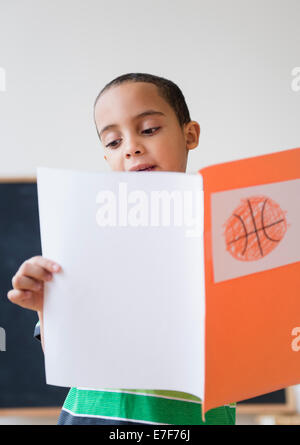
[[192, 133], [105, 158]]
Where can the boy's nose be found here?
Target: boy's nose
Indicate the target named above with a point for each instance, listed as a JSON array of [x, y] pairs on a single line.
[[132, 151]]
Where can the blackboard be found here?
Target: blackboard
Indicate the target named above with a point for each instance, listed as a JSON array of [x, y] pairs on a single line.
[[280, 401], [22, 373]]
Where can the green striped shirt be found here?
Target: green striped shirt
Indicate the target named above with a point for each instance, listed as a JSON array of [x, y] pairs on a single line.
[[115, 406], [138, 406]]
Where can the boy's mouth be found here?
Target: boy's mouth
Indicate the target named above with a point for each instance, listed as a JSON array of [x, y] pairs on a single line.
[[142, 168]]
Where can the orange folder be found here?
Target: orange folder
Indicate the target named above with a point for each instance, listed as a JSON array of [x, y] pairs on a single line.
[[252, 321]]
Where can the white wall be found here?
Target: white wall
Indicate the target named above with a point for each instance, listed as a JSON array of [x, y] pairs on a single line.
[[233, 60]]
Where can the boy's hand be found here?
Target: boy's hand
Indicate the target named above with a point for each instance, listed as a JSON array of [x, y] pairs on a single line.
[[28, 282]]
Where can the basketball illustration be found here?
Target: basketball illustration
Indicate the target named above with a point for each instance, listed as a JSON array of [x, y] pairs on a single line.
[[255, 228]]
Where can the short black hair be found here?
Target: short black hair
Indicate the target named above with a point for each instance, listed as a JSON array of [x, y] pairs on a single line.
[[167, 89]]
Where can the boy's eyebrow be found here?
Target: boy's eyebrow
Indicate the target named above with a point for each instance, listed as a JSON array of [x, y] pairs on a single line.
[[143, 114]]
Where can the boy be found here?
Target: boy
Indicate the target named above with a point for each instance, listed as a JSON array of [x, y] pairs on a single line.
[[144, 124]]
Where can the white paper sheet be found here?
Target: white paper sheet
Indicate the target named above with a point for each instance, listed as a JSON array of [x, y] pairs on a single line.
[[128, 308]]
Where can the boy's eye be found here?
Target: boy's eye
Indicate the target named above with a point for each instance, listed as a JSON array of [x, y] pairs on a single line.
[[112, 144], [153, 128]]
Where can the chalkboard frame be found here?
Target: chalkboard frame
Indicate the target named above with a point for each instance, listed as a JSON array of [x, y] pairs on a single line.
[[9, 179], [31, 412]]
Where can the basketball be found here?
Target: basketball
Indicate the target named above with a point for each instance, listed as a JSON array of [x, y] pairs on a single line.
[[255, 228]]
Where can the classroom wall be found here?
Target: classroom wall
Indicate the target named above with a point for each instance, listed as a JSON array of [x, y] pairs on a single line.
[[236, 61], [233, 60]]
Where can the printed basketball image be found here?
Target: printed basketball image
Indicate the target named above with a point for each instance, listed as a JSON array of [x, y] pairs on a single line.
[[255, 228]]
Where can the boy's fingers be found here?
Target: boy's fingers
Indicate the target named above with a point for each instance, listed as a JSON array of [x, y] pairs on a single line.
[[49, 265], [30, 278], [15, 294], [22, 282], [19, 296], [33, 269], [25, 299]]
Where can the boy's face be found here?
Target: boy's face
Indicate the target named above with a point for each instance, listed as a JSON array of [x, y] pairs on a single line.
[[155, 141]]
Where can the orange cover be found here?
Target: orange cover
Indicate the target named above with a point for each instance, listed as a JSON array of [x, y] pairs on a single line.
[[249, 319]]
